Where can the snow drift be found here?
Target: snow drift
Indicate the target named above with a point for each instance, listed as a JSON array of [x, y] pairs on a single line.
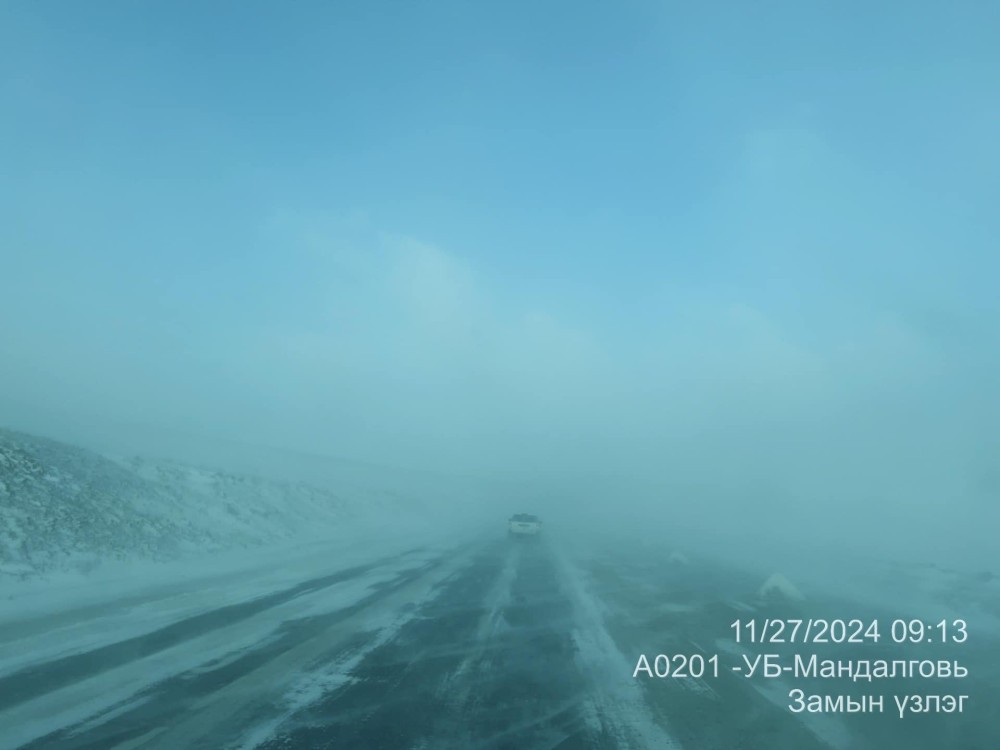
[[65, 508]]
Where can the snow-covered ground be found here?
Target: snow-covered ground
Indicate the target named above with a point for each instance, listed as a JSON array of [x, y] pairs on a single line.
[[45, 633], [40, 617], [252, 610], [157, 569], [67, 512], [435, 637]]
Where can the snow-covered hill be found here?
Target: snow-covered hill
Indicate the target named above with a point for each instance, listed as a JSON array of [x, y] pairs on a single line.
[[66, 508]]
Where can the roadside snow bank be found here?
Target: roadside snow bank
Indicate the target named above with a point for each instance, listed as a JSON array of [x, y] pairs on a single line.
[[66, 512]]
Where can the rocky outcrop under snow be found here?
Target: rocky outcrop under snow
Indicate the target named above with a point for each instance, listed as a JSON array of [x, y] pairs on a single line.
[[778, 586]]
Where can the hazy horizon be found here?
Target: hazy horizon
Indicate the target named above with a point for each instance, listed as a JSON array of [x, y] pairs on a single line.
[[734, 268]]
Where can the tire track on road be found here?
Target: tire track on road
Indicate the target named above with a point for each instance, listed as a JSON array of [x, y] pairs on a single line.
[[167, 688], [31, 682]]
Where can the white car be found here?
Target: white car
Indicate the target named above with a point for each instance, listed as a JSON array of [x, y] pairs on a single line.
[[524, 524]]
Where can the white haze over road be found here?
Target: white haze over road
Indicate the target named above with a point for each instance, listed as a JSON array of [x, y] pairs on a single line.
[[758, 304], [872, 428]]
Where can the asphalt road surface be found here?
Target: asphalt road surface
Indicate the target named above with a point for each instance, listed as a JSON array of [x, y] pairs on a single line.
[[493, 643]]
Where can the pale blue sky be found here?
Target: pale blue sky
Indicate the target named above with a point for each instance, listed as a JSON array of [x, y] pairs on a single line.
[[530, 232]]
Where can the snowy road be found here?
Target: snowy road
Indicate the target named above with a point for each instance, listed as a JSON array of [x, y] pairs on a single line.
[[486, 644], [462, 647]]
